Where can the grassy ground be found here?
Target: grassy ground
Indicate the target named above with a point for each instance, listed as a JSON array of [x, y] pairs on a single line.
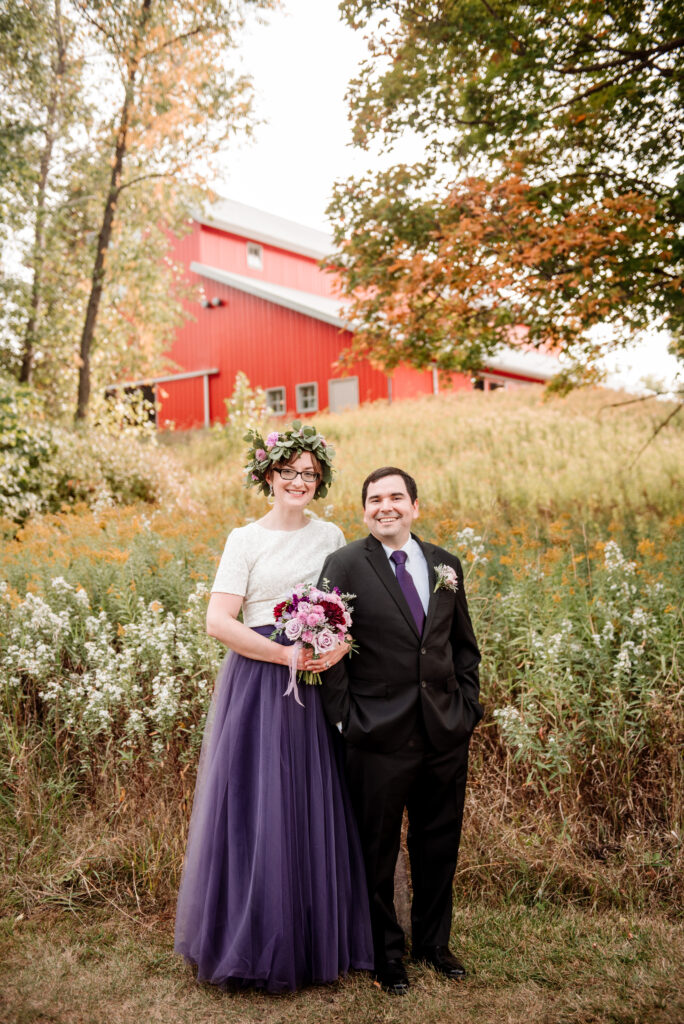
[[534, 964]]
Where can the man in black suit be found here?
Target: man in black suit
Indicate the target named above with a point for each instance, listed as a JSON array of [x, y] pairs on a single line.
[[406, 705]]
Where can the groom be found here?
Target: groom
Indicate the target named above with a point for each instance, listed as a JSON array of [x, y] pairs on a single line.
[[406, 704]]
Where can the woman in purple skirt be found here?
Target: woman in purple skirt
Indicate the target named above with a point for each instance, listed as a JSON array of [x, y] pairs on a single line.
[[273, 892]]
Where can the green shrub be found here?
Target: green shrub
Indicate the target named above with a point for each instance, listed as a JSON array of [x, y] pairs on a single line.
[[27, 447], [45, 466]]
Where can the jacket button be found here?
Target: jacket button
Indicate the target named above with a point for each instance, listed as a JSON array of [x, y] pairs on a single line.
[[423, 650], [423, 684]]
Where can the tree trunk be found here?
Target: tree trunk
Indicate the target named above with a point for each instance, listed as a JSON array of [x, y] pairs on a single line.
[[105, 235], [38, 260]]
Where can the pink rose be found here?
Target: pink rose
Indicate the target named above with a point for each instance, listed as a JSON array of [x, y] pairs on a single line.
[[324, 642], [272, 439], [260, 454], [293, 629]]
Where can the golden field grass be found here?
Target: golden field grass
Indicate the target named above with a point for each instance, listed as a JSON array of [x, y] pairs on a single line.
[[490, 458]]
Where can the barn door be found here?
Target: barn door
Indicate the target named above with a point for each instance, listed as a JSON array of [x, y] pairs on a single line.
[[343, 393]]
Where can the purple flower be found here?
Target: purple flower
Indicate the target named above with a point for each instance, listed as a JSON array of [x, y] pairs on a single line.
[[272, 439], [260, 454], [254, 476]]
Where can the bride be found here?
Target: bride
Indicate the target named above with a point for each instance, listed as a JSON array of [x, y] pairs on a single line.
[[273, 893]]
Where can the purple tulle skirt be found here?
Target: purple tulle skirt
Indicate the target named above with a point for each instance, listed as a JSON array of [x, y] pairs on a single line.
[[273, 892]]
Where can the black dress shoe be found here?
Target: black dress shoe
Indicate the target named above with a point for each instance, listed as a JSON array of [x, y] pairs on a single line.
[[391, 976], [443, 960]]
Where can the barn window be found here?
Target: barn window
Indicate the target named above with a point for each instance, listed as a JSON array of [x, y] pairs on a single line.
[[255, 256], [307, 397], [275, 401]]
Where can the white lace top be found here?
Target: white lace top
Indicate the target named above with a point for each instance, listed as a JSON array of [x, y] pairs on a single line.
[[264, 566]]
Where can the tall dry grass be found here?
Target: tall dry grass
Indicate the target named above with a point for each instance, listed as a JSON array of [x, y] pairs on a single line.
[[490, 458]]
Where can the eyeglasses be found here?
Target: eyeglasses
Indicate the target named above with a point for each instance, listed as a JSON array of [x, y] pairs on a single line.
[[309, 476]]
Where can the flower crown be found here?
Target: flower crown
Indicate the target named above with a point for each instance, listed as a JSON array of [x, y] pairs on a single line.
[[284, 446]]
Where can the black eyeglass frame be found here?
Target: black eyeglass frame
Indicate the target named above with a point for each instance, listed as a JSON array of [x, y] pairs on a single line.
[[314, 478]]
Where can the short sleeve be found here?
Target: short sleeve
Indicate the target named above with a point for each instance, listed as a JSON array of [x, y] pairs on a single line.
[[233, 571]]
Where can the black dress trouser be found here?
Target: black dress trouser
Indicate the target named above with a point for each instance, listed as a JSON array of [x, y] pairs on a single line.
[[431, 785]]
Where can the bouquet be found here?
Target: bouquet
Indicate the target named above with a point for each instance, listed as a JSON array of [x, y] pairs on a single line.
[[319, 619]]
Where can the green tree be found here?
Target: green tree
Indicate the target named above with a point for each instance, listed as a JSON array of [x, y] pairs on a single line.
[[550, 192], [103, 172], [41, 77], [176, 104]]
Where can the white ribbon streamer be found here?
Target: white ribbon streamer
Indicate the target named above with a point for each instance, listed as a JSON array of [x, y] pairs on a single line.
[[292, 681]]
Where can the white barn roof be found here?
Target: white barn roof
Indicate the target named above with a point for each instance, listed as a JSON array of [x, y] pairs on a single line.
[[267, 228], [317, 306]]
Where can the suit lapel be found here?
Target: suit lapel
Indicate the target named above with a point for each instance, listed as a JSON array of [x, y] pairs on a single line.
[[379, 562]]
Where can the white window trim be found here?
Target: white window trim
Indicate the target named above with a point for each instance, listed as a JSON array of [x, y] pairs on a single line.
[[255, 256], [307, 384], [277, 387]]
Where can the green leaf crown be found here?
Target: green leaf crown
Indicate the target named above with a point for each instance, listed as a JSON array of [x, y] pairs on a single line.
[[285, 446]]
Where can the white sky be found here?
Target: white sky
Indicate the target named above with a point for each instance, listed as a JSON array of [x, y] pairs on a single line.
[[301, 62]]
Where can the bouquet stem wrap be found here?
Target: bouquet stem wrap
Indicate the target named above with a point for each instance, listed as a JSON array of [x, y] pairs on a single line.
[[292, 681]]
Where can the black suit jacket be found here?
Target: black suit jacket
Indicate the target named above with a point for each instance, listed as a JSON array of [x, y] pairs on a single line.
[[380, 693]]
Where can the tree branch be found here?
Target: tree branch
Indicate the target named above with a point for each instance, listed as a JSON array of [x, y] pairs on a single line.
[[655, 433], [176, 39]]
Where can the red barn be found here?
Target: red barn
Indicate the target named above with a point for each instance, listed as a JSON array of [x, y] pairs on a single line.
[[269, 311]]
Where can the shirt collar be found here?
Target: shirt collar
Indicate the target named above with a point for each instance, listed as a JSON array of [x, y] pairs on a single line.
[[409, 547]]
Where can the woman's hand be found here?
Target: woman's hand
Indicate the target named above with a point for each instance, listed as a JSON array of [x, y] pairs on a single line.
[[307, 661]]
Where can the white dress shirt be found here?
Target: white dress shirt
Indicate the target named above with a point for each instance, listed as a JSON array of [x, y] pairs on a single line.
[[417, 566]]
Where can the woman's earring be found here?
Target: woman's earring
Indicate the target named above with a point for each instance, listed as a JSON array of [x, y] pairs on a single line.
[[271, 498]]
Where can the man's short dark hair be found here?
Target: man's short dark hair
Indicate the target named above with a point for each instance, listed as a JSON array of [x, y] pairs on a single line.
[[379, 474]]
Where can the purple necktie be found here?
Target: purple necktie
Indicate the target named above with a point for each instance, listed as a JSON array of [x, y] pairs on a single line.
[[405, 581]]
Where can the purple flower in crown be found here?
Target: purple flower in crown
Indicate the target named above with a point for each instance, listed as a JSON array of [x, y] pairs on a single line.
[[254, 476], [272, 439], [260, 454]]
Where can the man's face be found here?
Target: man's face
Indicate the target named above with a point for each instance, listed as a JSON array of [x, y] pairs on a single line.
[[389, 512]]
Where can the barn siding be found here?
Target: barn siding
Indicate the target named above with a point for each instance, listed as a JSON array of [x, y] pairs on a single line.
[[229, 252], [273, 346]]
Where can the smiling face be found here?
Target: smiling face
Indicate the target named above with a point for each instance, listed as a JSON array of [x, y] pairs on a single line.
[[295, 493], [389, 512]]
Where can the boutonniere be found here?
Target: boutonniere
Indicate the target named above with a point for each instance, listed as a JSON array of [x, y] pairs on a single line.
[[446, 578]]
